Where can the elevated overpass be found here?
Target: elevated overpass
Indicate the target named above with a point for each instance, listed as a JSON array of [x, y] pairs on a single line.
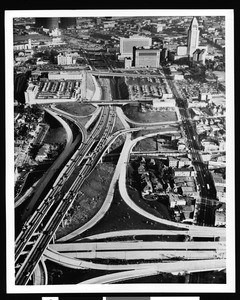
[[123, 74], [180, 267], [143, 250], [59, 200], [118, 101], [149, 232]]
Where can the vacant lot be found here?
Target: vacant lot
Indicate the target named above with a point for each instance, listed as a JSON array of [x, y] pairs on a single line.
[[148, 144], [90, 199], [77, 109], [133, 113], [121, 217]]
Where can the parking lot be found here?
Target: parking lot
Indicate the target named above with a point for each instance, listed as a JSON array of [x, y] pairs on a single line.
[[145, 87], [58, 89]]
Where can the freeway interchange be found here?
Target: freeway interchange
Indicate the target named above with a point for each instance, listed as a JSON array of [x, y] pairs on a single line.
[[60, 198], [40, 228]]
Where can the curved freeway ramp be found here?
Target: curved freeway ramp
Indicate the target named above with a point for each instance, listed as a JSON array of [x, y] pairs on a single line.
[[56, 165], [74, 263], [40, 274], [125, 196], [180, 267], [151, 123], [152, 232], [100, 214], [104, 208]]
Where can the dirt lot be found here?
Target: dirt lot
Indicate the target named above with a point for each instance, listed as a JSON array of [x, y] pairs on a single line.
[[133, 113], [77, 109], [148, 144], [91, 198]]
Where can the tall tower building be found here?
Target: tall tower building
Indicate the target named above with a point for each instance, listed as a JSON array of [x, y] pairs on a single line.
[[193, 37]]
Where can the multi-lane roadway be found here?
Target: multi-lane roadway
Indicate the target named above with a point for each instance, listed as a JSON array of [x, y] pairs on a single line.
[[39, 230], [193, 144]]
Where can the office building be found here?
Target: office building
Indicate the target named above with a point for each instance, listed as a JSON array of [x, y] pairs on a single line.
[[195, 55], [143, 57], [202, 56], [31, 93], [199, 56], [66, 59], [127, 44], [193, 37]]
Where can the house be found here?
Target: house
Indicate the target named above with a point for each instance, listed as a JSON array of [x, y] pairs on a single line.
[[141, 169], [147, 188]]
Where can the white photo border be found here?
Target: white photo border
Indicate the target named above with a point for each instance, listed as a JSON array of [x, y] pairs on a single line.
[[230, 170]]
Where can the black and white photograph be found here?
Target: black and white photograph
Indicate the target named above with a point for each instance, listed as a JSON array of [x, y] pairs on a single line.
[[120, 150]]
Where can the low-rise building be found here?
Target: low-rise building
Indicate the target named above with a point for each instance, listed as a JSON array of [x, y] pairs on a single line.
[[146, 57], [66, 59], [183, 162], [43, 153], [220, 216], [172, 162], [127, 62], [187, 211], [206, 156], [141, 169], [31, 93], [218, 179], [184, 172], [188, 191], [221, 193], [175, 200], [210, 146]]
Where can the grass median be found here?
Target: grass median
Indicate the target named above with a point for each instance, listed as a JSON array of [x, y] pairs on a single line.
[[90, 199]]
